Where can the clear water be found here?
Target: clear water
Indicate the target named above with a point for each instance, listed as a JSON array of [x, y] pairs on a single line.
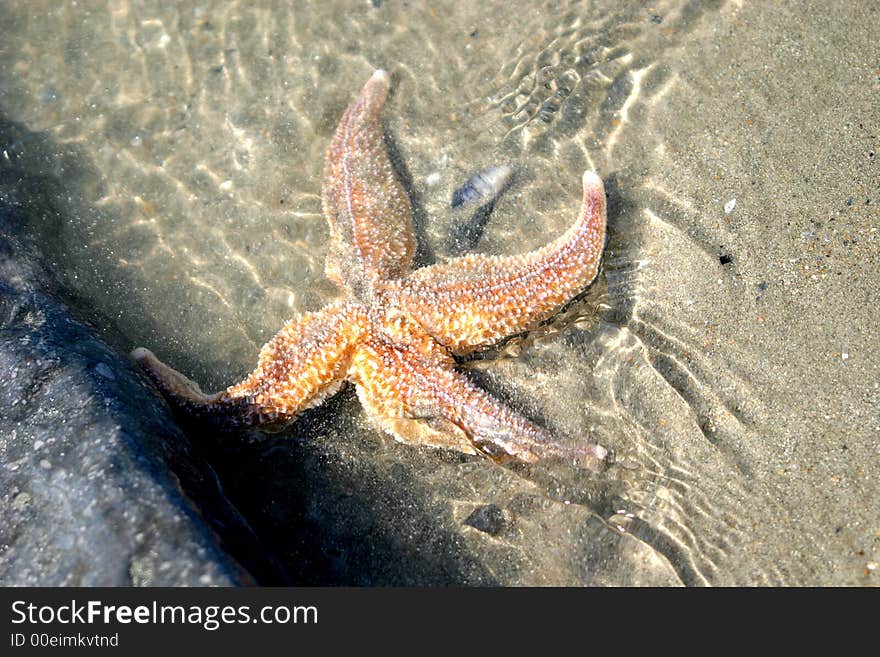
[[727, 354]]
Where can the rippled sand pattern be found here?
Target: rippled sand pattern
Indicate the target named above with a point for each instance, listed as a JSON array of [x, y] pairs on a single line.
[[183, 146]]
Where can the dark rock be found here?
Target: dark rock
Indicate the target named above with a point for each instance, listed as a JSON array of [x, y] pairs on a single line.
[[95, 478]]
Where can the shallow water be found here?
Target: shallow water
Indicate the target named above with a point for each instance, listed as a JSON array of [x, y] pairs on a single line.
[[727, 355]]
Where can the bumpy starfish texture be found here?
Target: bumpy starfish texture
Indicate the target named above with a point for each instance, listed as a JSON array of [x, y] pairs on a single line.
[[396, 334]]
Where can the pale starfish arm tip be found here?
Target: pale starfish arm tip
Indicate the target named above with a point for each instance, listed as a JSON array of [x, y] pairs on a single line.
[[173, 384], [376, 90], [592, 181], [382, 76], [141, 353]]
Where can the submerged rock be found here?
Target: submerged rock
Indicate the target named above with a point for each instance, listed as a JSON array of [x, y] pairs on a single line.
[[95, 478]]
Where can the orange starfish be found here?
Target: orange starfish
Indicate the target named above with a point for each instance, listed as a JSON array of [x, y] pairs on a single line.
[[396, 335]]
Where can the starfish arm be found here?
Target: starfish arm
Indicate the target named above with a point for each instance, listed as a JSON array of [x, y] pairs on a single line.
[[474, 301], [426, 402], [298, 368], [370, 216]]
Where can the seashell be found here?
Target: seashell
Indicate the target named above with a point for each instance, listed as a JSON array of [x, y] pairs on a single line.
[[483, 187]]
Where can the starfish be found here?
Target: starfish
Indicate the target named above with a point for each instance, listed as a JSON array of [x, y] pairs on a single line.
[[398, 331]]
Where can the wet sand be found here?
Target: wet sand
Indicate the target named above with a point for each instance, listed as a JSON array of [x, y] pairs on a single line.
[[727, 355]]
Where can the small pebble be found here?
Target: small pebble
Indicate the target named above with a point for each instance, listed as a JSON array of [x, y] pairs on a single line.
[[21, 501], [488, 518], [729, 206]]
